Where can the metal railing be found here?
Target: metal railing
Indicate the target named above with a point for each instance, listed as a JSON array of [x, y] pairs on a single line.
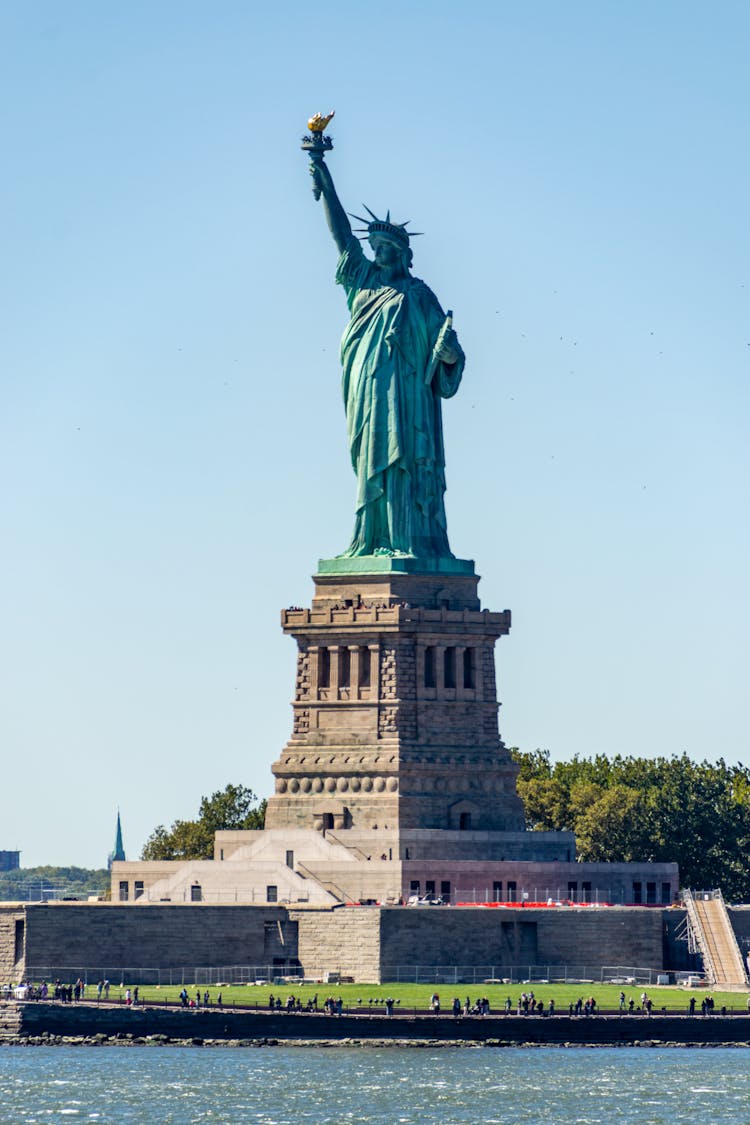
[[119, 975], [521, 974]]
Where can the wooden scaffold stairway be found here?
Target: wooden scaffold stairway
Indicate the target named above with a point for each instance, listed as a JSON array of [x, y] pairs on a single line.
[[710, 933]]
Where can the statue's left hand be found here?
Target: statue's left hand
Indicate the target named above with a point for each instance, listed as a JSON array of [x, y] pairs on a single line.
[[448, 351]]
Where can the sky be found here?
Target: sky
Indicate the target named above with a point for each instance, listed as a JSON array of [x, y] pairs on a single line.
[[172, 437]]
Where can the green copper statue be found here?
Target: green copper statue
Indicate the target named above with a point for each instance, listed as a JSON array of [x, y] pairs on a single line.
[[400, 356]]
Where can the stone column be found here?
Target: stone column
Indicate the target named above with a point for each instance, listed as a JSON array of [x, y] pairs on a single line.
[[374, 672], [314, 672], [353, 671], [333, 651], [440, 671], [420, 669], [460, 650]]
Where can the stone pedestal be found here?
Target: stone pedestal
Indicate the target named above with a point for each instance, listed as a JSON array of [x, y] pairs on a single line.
[[395, 707]]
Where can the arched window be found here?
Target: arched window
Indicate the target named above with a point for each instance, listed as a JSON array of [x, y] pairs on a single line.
[[464, 822]]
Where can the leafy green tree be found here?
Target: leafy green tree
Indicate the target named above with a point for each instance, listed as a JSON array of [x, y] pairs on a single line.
[[235, 807], [616, 823], [45, 881], [628, 809]]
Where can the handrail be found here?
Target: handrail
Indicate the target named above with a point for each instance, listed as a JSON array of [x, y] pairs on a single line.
[[349, 847], [326, 884], [708, 939]]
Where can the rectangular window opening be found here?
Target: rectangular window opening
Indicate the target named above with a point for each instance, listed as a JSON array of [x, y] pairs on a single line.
[[364, 666], [429, 666], [324, 668], [345, 664], [18, 943], [272, 894], [449, 671], [468, 667]]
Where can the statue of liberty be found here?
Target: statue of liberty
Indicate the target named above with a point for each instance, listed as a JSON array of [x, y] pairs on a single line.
[[400, 357]]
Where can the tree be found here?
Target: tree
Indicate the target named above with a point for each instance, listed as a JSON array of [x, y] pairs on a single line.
[[630, 809], [233, 808]]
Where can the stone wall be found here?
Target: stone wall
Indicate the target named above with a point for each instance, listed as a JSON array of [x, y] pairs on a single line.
[[10, 915], [505, 937], [365, 943], [345, 940], [64, 936], [34, 1020]]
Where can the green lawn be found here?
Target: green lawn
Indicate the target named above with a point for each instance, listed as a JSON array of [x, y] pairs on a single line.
[[410, 996]]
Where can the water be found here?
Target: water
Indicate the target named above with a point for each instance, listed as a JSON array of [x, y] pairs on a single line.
[[287, 1086]]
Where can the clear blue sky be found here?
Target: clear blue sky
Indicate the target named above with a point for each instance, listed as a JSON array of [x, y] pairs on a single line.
[[172, 444]]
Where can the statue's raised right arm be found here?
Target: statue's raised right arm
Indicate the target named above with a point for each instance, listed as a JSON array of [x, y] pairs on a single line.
[[336, 217]]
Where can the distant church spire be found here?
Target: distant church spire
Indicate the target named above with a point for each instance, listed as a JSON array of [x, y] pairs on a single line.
[[118, 855]]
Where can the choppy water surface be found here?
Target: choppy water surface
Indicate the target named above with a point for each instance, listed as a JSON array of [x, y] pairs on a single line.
[[284, 1086]]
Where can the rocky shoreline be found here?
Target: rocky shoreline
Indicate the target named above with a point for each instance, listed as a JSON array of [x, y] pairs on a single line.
[[128, 1040], [45, 1024]]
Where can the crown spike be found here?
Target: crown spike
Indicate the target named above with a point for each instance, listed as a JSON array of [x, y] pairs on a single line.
[[371, 213]]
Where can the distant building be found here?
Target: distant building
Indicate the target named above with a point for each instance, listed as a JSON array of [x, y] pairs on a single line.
[[10, 861], [118, 855]]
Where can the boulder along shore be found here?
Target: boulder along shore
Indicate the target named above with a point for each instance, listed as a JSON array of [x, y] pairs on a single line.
[[46, 1023]]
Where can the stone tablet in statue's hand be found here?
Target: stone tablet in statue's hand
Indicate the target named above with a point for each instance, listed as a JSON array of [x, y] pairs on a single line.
[[448, 350]]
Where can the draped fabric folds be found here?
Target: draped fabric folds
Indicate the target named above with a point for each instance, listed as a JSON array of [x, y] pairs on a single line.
[[393, 411]]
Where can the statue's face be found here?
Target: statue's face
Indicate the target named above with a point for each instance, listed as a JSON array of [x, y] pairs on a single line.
[[387, 254]]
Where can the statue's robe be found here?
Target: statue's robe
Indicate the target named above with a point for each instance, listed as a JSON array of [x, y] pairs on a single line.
[[393, 410]]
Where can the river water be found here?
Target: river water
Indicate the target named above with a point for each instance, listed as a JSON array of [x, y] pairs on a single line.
[[407, 1086]]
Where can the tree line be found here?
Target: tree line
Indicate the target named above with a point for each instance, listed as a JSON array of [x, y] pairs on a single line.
[[234, 808], [620, 809], [628, 809]]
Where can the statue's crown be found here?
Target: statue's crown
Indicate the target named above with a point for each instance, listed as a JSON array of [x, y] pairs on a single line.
[[395, 231]]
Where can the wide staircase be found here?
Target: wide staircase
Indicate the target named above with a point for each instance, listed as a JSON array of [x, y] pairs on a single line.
[[712, 935], [10, 1021]]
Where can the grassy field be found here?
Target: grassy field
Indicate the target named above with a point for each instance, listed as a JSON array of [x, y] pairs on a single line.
[[411, 997]]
